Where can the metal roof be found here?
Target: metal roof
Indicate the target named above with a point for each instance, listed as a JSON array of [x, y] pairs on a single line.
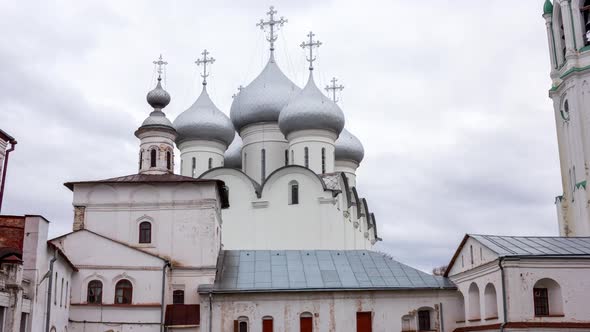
[[535, 245], [317, 270]]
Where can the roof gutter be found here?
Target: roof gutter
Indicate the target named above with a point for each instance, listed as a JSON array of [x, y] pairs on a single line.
[[163, 308], [504, 309], [50, 286], [4, 170]]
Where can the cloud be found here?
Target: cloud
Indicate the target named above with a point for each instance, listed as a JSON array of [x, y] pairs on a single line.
[[448, 98]]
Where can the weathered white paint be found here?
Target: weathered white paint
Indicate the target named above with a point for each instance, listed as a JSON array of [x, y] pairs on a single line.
[[262, 136], [313, 141], [206, 155]]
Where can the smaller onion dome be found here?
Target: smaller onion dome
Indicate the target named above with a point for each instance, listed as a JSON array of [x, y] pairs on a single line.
[[264, 98], [204, 121], [547, 7], [311, 109], [348, 147], [158, 98], [233, 155]]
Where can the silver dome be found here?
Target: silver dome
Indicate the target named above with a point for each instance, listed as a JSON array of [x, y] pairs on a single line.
[[157, 118], [158, 98], [349, 147], [204, 121], [264, 98], [311, 109], [233, 155]]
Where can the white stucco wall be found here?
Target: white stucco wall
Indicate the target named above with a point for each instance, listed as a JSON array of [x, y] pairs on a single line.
[[201, 151], [257, 137], [314, 141]]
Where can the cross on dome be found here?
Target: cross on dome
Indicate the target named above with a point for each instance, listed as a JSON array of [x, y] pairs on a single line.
[[239, 90], [272, 37], [205, 60], [334, 88], [311, 44], [160, 63]]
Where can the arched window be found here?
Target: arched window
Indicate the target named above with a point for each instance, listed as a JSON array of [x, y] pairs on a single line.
[[178, 296], [194, 168], [140, 159], [241, 324], [145, 232], [306, 156], [425, 319], [94, 293], [547, 298], [262, 164], [293, 192], [168, 160], [267, 324], [153, 158], [490, 301], [323, 160], [306, 322], [286, 157], [474, 307], [559, 32], [123, 292], [210, 163]]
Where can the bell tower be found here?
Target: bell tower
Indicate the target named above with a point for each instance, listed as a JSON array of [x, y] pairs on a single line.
[[568, 36]]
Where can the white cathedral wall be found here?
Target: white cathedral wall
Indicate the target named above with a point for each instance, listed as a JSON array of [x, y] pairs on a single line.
[[349, 168], [257, 137], [332, 311], [317, 222], [314, 141], [184, 218], [201, 151]]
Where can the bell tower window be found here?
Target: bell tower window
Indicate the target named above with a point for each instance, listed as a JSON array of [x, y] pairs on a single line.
[[140, 159], [168, 160], [153, 158]]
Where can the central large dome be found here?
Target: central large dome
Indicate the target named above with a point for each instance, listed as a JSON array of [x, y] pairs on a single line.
[[264, 98]]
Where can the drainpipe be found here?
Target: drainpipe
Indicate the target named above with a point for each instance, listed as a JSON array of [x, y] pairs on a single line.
[[442, 324], [50, 286], [505, 310], [166, 264], [210, 311], [4, 169]]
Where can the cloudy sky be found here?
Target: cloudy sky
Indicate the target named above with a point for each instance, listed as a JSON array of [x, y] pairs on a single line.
[[448, 97]]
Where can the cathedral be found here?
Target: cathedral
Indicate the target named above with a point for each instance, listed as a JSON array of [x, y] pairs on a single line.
[[263, 228]]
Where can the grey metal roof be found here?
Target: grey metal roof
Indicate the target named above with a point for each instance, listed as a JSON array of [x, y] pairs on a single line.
[[318, 270], [535, 245], [349, 147]]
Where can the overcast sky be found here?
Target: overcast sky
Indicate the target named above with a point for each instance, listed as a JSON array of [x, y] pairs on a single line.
[[448, 97]]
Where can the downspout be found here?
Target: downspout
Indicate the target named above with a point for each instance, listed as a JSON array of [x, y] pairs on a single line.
[[505, 310], [210, 311], [163, 308], [442, 324], [50, 286], [4, 169]]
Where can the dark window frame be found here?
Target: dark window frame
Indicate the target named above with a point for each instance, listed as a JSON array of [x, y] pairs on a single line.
[[541, 302], [178, 296], [424, 323], [168, 160], [124, 292], [153, 158], [94, 292], [145, 232]]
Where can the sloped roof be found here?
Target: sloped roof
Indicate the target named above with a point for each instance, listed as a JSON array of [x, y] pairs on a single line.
[[158, 178], [535, 245], [318, 270]]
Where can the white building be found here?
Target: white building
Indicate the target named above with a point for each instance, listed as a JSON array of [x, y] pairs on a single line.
[[264, 230]]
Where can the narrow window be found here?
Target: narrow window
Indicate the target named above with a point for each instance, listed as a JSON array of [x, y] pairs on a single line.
[[541, 301], [286, 157], [178, 296], [140, 159], [194, 168], [423, 320], [363, 322], [267, 324], [94, 293], [241, 324], [323, 160], [153, 158], [145, 232], [306, 322], [67, 291], [306, 156], [2, 319], [24, 317], [471, 254], [210, 163], [245, 163], [586, 20], [292, 157], [61, 294], [123, 292], [263, 164], [481, 254], [293, 193], [462, 261], [181, 166], [168, 160], [55, 295]]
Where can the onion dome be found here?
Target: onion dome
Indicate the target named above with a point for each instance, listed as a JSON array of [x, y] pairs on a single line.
[[349, 147], [158, 98], [311, 109], [264, 98], [233, 155], [547, 7], [204, 121]]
